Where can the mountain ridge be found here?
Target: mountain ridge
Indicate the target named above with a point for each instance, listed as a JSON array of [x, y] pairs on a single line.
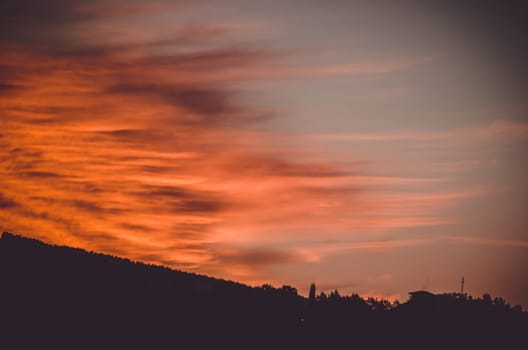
[[117, 259], [65, 297]]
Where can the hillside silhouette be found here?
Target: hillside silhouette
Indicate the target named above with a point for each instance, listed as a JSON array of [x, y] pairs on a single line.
[[55, 297]]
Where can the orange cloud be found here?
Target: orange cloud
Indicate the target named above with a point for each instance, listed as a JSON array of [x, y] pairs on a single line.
[[143, 150]]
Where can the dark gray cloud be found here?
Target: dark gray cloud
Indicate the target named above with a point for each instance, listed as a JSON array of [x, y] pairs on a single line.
[[41, 174], [132, 133], [81, 204], [213, 103], [179, 200], [135, 227], [256, 257], [6, 88], [141, 136], [170, 192], [6, 203], [201, 100], [197, 206], [88, 206], [53, 23]]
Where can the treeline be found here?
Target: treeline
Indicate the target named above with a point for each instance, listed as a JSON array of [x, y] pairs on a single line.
[[59, 297]]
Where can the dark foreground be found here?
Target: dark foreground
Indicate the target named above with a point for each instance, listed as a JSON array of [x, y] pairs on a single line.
[[62, 298]]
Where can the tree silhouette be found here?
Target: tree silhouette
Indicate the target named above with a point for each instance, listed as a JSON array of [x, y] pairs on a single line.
[[312, 293], [64, 298]]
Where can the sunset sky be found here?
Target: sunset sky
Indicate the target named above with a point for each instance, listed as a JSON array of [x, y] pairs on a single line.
[[376, 147]]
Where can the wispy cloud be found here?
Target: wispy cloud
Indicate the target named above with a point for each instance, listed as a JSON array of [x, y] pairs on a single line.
[[139, 145], [495, 130], [487, 241]]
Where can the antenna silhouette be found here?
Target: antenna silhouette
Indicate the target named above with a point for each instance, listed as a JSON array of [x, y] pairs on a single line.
[[462, 286]]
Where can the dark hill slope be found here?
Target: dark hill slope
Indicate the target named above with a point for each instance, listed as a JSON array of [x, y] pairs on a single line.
[[72, 298]]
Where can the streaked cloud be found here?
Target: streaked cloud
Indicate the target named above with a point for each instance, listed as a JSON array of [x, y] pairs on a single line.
[[495, 130], [488, 241], [146, 130]]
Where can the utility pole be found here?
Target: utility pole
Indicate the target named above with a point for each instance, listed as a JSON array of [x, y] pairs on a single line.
[[462, 286]]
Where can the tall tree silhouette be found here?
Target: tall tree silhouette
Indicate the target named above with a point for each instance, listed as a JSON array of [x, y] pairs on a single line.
[[311, 295]]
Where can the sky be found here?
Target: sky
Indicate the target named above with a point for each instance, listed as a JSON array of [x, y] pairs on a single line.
[[377, 147]]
